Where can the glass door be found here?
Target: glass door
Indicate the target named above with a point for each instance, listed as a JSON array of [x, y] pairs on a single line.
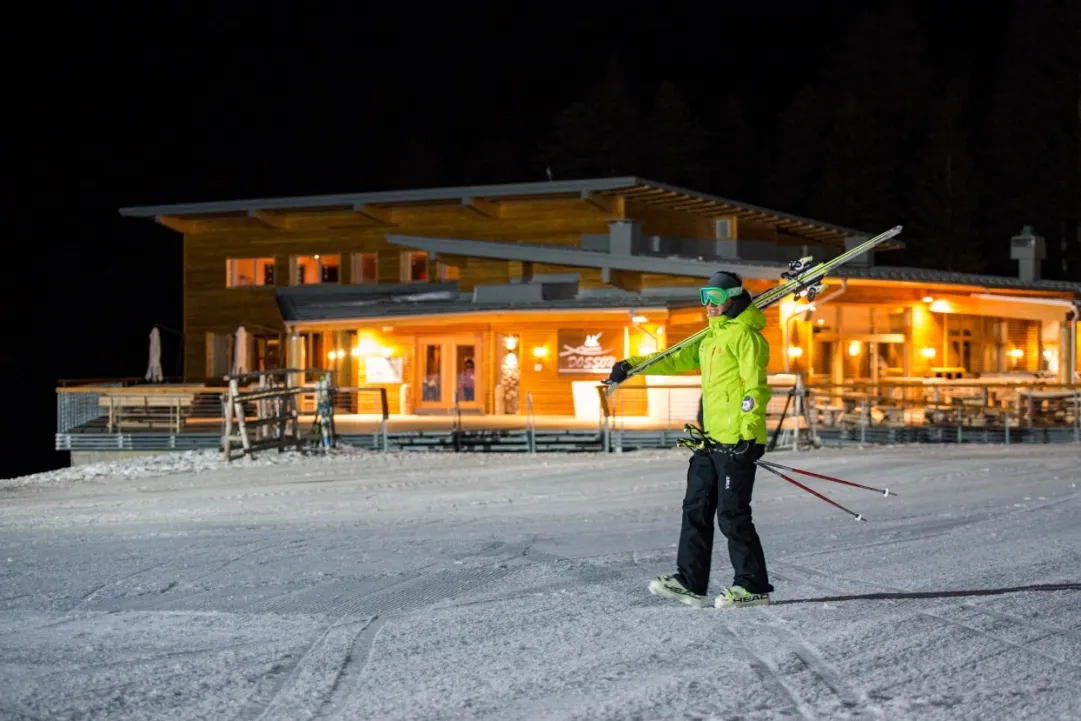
[[448, 371], [466, 375]]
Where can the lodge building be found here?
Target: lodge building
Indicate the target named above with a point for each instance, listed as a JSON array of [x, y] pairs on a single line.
[[475, 295]]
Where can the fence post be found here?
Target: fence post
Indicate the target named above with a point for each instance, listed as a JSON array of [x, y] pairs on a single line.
[[530, 424], [863, 422]]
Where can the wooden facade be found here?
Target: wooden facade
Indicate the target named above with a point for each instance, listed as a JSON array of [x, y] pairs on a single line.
[[236, 261]]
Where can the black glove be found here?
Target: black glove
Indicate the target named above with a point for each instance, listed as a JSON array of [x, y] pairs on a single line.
[[619, 372]]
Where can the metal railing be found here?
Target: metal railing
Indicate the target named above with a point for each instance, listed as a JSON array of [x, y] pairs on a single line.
[[801, 417]]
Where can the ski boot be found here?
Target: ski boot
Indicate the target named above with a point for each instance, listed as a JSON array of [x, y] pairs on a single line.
[[672, 587], [738, 596]]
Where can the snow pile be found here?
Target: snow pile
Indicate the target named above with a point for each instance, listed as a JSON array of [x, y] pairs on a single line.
[[171, 463]]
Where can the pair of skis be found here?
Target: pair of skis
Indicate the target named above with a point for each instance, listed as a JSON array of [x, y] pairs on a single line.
[[800, 280]]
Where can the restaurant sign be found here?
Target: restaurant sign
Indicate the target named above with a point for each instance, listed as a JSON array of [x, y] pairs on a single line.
[[582, 352]]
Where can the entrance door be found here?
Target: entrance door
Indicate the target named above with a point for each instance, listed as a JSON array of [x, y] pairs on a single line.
[[449, 369]]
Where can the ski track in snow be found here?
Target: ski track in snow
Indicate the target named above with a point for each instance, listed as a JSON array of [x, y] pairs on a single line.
[[458, 586]]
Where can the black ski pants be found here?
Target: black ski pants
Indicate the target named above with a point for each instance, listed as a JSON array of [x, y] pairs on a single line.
[[721, 484]]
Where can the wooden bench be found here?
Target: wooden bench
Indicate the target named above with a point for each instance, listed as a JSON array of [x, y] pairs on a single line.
[[149, 410]]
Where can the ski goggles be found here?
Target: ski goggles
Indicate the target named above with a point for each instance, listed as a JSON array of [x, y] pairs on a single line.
[[718, 296]]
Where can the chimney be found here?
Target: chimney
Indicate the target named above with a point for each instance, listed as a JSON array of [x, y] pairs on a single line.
[[623, 236], [1029, 250], [865, 260]]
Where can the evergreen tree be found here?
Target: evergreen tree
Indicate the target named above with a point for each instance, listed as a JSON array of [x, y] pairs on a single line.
[[737, 164], [798, 144], [944, 196], [675, 144], [599, 136], [854, 185]]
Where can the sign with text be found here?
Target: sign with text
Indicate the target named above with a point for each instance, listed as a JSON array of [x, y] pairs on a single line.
[[383, 370], [585, 353]]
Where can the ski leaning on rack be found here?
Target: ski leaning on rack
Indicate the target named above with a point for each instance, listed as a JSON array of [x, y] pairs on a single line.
[[800, 280]]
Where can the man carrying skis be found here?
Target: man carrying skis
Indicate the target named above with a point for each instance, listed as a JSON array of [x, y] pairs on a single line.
[[732, 358]]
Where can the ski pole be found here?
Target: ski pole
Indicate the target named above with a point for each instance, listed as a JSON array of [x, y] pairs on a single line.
[[883, 491], [858, 516]]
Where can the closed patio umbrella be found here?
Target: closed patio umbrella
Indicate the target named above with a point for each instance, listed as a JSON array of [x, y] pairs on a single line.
[[153, 371], [240, 351]]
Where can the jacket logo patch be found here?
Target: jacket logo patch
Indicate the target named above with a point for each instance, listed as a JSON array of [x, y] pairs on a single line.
[[748, 404]]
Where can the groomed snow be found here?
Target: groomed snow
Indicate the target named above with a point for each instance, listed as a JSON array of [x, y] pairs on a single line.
[[431, 586]]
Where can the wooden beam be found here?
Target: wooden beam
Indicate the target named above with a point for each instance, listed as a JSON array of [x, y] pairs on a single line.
[[623, 279], [607, 204], [485, 208], [180, 225], [381, 216], [274, 220]]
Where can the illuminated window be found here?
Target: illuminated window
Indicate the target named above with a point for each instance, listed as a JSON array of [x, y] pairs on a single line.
[[313, 269], [414, 266], [247, 272], [365, 268], [447, 272]]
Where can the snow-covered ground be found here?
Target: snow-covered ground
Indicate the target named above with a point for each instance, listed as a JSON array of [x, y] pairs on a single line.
[[430, 586]]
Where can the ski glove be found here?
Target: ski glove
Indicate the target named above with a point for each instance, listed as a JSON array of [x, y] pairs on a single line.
[[619, 372]]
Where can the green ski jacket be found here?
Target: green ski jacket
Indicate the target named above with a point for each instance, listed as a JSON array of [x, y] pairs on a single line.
[[732, 357]]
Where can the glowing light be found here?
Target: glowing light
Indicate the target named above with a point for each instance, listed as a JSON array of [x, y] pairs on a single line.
[[928, 299], [854, 348], [928, 352], [369, 347], [1017, 353], [510, 342], [647, 347], [940, 306], [795, 351], [639, 319], [540, 351]]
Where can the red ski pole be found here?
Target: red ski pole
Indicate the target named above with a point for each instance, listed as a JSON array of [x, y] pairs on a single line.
[[859, 516], [883, 491]]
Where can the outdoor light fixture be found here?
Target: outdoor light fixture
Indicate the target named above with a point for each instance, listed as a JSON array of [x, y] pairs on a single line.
[[1017, 353], [928, 352], [540, 351], [854, 348], [940, 306], [795, 351]]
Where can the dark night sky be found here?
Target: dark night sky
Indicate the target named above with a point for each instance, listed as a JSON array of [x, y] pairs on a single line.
[[207, 101]]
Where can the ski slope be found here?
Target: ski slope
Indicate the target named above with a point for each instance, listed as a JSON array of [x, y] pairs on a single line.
[[430, 586]]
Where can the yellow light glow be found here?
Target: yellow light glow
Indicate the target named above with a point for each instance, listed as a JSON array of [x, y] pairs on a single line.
[[795, 351], [368, 346], [510, 342], [1048, 353], [854, 348], [646, 347], [940, 306], [928, 352], [660, 330], [540, 351], [639, 319], [928, 299], [1017, 353], [822, 321], [388, 352]]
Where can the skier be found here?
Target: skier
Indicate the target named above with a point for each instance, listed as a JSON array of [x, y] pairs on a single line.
[[732, 358]]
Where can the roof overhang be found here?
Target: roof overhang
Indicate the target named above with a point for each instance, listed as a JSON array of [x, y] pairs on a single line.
[[473, 315], [578, 258], [609, 195]]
